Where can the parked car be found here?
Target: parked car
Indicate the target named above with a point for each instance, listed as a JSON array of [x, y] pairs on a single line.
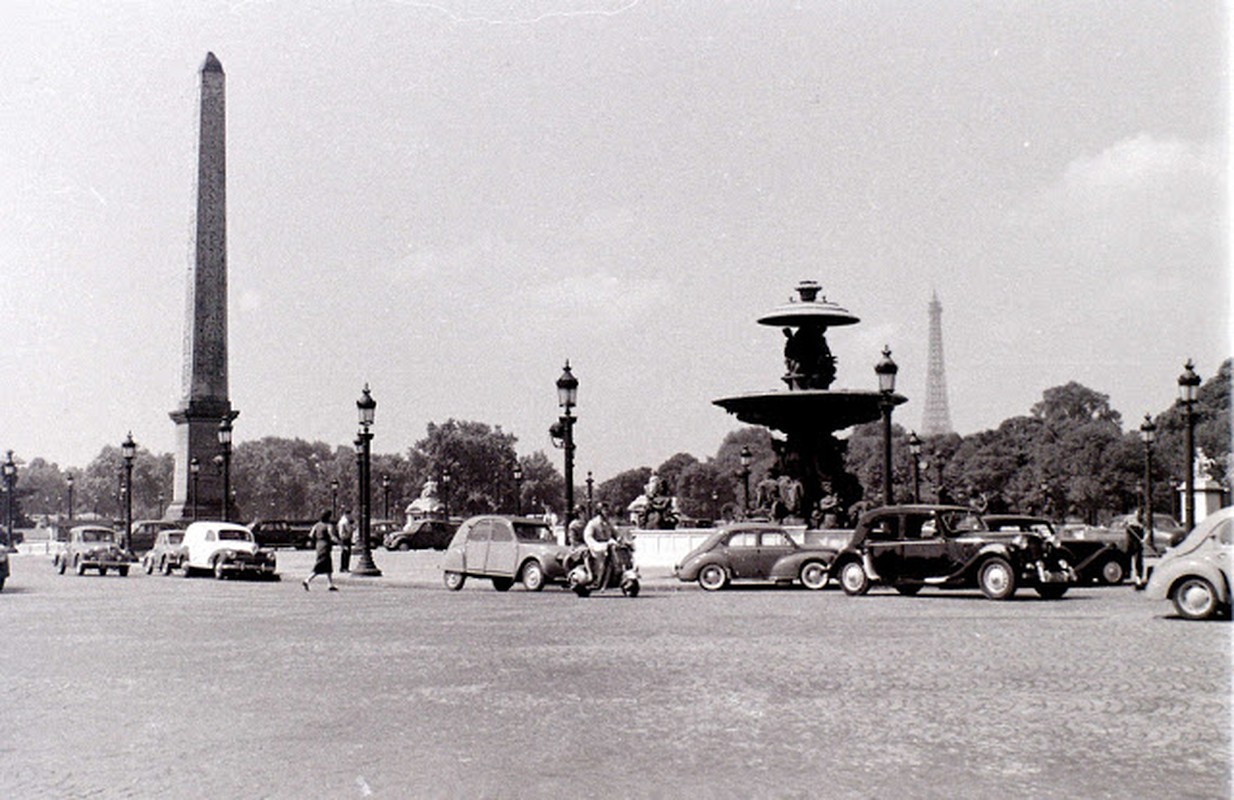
[[912, 546], [429, 533], [92, 547], [1096, 555], [273, 533], [225, 549], [146, 531], [166, 553], [1167, 531], [755, 551], [504, 549], [1196, 574]]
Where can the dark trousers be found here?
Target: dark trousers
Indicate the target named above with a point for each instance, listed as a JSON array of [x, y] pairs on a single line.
[[344, 559]]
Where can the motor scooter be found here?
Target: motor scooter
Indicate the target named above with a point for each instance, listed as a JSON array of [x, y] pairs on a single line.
[[616, 569]]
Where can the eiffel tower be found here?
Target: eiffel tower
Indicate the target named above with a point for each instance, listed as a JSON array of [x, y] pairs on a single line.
[[936, 420]]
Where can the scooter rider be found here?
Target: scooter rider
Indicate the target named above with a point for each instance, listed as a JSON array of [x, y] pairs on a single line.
[[598, 535]]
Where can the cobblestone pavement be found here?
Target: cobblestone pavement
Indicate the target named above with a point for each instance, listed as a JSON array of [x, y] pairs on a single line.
[[148, 686]]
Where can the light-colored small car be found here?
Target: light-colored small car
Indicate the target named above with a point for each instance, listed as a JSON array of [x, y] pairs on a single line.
[[504, 549], [225, 549], [166, 553], [93, 547], [1196, 573]]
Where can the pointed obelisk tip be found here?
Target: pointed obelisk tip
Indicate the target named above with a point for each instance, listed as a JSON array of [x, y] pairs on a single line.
[[212, 64]]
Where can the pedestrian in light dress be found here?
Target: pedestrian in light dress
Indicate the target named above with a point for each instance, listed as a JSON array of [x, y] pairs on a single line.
[[323, 540]]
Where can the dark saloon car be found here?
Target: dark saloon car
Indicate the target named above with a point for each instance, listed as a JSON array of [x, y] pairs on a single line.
[[754, 551], [1095, 557], [429, 533], [92, 547], [146, 531], [909, 547], [273, 533], [505, 550], [166, 553]]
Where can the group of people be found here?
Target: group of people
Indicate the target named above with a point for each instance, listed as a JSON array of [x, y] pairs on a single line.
[[324, 535]]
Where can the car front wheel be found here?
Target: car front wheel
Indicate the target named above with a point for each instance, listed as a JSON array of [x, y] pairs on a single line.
[[1112, 571], [712, 577], [148, 565], [219, 572], [79, 567], [124, 571], [165, 567], [853, 578], [997, 579], [1195, 598], [454, 580], [814, 575], [533, 576], [61, 565]]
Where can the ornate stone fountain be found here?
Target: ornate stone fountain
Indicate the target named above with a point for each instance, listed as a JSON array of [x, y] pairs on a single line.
[[809, 481]]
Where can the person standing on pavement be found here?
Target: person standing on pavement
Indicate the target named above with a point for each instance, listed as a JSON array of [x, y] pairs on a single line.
[[346, 533], [322, 535]]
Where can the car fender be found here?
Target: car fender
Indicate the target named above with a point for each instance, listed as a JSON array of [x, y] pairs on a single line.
[[973, 564], [1161, 584], [692, 567], [453, 561], [789, 567]]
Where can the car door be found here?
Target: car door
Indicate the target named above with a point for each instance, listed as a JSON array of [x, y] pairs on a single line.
[[884, 548], [476, 550], [772, 546], [742, 553], [923, 549], [502, 549]]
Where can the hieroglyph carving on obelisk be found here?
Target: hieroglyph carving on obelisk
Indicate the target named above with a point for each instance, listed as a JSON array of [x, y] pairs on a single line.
[[205, 402]]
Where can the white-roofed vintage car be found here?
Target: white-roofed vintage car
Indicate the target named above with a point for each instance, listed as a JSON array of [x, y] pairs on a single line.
[[1196, 574], [92, 547], [225, 549]]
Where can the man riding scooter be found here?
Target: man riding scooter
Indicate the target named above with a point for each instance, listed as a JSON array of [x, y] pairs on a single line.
[[603, 561], [597, 536]]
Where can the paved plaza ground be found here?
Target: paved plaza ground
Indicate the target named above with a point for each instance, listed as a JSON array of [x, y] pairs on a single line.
[[148, 686]]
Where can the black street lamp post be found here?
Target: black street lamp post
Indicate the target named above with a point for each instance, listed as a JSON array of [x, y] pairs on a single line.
[[518, 489], [10, 478], [567, 398], [225, 431], [886, 371], [366, 406], [334, 484], [590, 484], [445, 492], [1148, 432], [1188, 389], [128, 449], [746, 459], [385, 496], [194, 472], [68, 479], [914, 447]]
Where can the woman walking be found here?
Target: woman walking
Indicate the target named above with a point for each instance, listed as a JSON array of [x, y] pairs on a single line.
[[323, 540]]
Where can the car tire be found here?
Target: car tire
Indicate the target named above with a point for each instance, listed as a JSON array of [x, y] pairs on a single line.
[[502, 584], [102, 570], [219, 572], [124, 571], [853, 578], [533, 576], [165, 566], [713, 577], [1112, 571], [454, 580], [1195, 598], [79, 567], [404, 546], [61, 564], [581, 591], [997, 579], [908, 589], [1052, 591], [630, 588], [814, 575], [148, 565], [188, 571]]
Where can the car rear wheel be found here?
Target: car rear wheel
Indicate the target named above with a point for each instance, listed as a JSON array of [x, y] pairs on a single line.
[[1195, 598], [1112, 571], [853, 578], [997, 579], [124, 571], [102, 570], [533, 576], [1052, 591], [404, 545], [813, 575], [454, 580], [712, 577]]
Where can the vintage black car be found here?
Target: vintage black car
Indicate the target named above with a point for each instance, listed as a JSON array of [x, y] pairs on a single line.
[[271, 533], [753, 551], [1096, 555], [146, 531], [913, 546], [429, 533], [93, 547]]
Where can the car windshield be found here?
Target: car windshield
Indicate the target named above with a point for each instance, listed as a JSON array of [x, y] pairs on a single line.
[[233, 535], [98, 536], [175, 538], [527, 532], [962, 521]]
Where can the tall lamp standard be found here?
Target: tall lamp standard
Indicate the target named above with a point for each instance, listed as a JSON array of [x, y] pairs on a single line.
[[445, 492], [747, 458], [128, 449], [590, 483], [334, 484], [1188, 390], [886, 371], [567, 398], [1148, 432], [518, 489], [914, 447], [10, 477], [366, 406], [68, 479], [385, 496], [194, 472], [225, 443]]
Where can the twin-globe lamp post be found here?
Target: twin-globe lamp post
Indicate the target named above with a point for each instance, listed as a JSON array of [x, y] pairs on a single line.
[[563, 430], [1148, 432], [385, 496], [518, 489], [914, 448], [445, 492], [747, 458], [225, 431], [886, 371], [68, 479], [128, 449], [366, 406], [1188, 391]]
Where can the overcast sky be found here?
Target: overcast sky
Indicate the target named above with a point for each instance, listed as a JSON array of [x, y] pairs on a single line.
[[449, 199]]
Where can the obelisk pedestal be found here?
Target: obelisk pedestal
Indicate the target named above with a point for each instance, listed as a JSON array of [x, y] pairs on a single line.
[[205, 403]]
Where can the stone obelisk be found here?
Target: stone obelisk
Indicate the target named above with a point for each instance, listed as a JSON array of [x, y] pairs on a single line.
[[205, 403]]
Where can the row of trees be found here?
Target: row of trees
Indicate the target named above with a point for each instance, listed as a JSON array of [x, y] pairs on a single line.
[[1068, 455]]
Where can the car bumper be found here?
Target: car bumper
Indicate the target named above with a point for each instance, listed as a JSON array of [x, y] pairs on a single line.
[[1046, 574], [246, 568], [109, 562]]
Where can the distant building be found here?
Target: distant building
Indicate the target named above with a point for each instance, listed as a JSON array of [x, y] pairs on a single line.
[[936, 419]]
